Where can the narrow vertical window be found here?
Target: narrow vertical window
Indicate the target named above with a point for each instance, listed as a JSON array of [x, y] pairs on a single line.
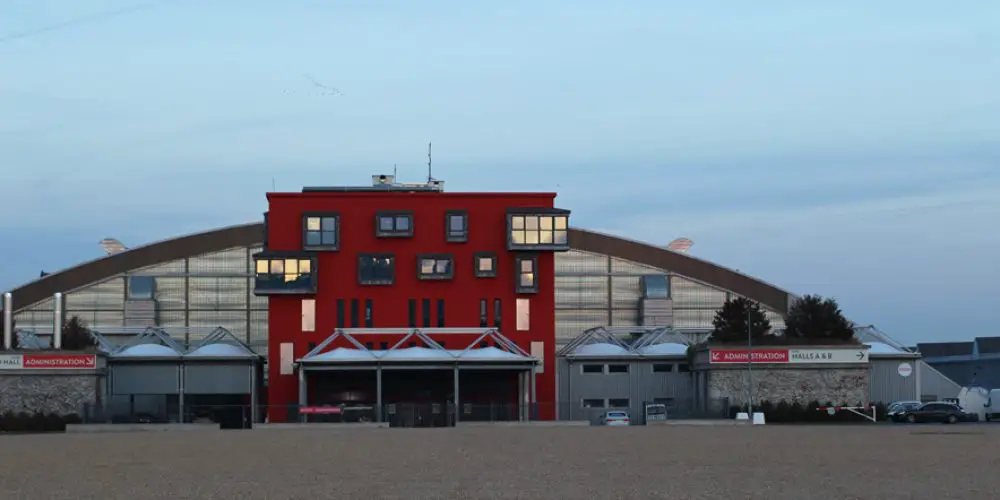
[[413, 313], [527, 269], [340, 313], [426, 306], [368, 313], [483, 320], [440, 313], [496, 313], [308, 315], [287, 366], [354, 313], [523, 312]]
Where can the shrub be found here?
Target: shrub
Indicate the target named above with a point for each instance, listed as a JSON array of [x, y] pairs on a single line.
[[785, 412], [36, 422]]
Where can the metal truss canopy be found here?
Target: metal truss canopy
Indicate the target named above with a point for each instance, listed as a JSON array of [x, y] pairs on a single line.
[[634, 340], [514, 353], [159, 336]]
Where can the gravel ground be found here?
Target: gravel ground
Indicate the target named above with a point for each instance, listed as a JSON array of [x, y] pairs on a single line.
[[680, 462]]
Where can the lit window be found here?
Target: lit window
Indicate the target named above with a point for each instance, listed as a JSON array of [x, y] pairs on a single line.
[[456, 226], [527, 281], [321, 231], [523, 313], [435, 267], [486, 265], [376, 269], [393, 224], [281, 274], [539, 230]]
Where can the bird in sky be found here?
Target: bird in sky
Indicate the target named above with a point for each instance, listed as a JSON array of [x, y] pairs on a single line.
[[327, 90]]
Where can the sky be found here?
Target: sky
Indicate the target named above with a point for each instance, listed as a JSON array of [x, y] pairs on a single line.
[[849, 149]]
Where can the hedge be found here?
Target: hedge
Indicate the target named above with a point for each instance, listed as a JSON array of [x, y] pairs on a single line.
[[785, 412], [36, 422]]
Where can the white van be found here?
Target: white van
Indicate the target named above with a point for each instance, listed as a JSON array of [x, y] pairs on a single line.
[[993, 406]]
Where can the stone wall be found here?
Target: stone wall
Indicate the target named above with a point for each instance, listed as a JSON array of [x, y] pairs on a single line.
[[838, 385], [63, 394]]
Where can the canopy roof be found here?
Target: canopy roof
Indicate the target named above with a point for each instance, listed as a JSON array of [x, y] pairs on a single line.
[[155, 343], [502, 350]]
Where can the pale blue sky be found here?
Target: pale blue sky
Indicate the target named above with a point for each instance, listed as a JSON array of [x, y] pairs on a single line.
[[850, 149]]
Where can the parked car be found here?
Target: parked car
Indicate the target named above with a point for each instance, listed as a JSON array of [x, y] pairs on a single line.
[[901, 406], [616, 418], [932, 412]]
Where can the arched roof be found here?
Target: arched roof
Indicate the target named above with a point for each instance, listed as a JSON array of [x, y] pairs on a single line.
[[253, 234]]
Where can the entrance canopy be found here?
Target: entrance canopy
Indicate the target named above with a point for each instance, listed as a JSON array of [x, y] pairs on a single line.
[[489, 349]]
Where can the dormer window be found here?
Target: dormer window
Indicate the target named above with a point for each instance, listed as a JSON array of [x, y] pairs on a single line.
[[394, 224], [538, 229]]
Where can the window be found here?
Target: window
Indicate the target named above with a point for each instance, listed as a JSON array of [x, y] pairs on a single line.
[[394, 224], [483, 321], [426, 310], [456, 224], [369, 345], [683, 368], [141, 287], [527, 280], [321, 231], [368, 313], [663, 368], [496, 314], [435, 267], [440, 313], [486, 265], [663, 401], [376, 269], [654, 286], [413, 313], [592, 403], [617, 368], [592, 368], [383, 345], [354, 313], [340, 313], [484, 345], [308, 315], [618, 403], [538, 229], [283, 273], [523, 312]]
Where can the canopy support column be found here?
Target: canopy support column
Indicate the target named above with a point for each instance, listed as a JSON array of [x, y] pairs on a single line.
[[457, 402], [302, 390], [534, 397], [378, 394]]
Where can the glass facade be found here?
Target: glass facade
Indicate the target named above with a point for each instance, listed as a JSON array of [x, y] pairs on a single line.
[[212, 290]]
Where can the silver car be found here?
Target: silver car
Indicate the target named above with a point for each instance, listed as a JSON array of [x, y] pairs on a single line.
[[616, 418]]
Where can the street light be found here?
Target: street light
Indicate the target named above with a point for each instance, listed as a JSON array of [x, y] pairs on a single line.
[[749, 360]]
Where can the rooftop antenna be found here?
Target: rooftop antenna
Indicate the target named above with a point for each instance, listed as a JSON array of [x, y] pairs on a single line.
[[429, 176], [274, 187], [393, 170]]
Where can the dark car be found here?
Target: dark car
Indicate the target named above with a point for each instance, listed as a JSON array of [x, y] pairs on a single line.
[[931, 412]]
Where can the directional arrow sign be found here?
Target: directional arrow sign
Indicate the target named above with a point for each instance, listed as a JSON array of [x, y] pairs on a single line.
[[828, 356]]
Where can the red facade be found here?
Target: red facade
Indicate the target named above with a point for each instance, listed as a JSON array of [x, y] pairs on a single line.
[[337, 284]]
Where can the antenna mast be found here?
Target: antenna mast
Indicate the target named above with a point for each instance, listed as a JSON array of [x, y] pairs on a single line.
[[429, 176]]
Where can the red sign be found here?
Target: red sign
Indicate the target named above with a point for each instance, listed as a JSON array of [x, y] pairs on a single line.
[[740, 356], [319, 410], [59, 361]]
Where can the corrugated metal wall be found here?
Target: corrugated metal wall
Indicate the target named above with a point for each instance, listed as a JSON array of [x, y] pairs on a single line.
[[887, 385], [640, 385]]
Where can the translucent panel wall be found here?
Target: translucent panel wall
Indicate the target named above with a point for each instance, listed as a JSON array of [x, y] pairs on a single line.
[[198, 294], [597, 290]]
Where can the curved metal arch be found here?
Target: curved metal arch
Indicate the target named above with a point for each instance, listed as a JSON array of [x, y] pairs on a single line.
[[253, 234]]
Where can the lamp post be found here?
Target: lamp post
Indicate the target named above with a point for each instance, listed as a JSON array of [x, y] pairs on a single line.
[[749, 361]]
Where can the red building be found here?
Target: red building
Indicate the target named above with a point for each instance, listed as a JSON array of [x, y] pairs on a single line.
[[412, 284]]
